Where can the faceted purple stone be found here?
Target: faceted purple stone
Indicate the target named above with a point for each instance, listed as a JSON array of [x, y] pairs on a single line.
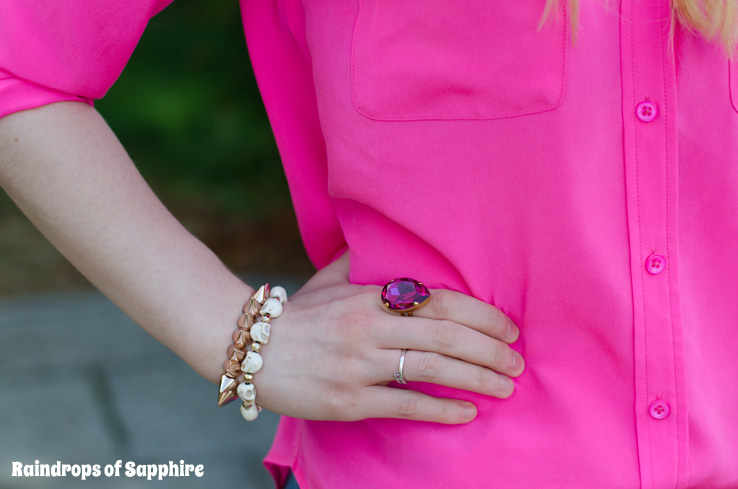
[[403, 293]]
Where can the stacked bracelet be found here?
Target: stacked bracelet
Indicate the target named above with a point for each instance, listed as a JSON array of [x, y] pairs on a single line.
[[253, 332]]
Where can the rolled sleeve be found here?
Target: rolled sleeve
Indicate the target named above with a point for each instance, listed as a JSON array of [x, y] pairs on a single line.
[[67, 50]]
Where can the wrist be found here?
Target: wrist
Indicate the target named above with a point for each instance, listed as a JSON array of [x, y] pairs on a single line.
[[208, 347]]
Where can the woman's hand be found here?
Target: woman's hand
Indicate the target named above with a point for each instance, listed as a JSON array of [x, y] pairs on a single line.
[[334, 350]]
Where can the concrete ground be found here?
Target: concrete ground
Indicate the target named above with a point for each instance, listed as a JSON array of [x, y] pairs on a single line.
[[81, 383]]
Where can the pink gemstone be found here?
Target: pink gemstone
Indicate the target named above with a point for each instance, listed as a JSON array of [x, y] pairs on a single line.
[[402, 293]]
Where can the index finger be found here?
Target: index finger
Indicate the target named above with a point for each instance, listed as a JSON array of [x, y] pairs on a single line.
[[469, 311]]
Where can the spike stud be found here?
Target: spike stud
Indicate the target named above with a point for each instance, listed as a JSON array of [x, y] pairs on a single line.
[[227, 391], [262, 294]]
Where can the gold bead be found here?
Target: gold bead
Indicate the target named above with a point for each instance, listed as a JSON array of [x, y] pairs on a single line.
[[255, 347], [248, 377]]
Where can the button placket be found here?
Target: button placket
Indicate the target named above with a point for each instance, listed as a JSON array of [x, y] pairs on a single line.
[[652, 178]]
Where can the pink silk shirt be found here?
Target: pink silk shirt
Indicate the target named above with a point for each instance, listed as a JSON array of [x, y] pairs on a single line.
[[589, 191]]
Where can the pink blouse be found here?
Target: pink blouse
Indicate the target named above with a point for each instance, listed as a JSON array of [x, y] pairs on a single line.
[[589, 191]]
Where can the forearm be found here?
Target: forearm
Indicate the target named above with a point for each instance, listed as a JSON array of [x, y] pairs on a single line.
[[68, 173]]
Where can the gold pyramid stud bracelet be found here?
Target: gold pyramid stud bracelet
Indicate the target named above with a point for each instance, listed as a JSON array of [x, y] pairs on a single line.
[[253, 332]]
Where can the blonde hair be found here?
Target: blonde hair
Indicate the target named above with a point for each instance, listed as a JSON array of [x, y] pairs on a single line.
[[712, 19]]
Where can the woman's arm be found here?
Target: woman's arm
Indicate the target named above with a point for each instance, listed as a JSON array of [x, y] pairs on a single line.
[[66, 170], [333, 350]]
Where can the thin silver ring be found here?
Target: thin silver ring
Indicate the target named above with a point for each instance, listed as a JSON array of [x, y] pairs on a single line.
[[399, 377]]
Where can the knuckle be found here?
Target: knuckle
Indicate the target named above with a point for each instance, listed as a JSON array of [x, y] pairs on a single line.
[[494, 384], [367, 299], [366, 295], [429, 365], [335, 401], [486, 381], [361, 320], [354, 368], [442, 303], [352, 325], [356, 318], [444, 334], [408, 405], [331, 309], [342, 403], [500, 358]]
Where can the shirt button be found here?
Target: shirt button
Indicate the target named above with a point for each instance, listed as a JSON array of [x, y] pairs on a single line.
[[659, 409], [646, 111], [655, 263]]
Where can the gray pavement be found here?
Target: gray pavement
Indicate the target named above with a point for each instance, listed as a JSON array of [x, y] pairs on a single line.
[[81, 383]]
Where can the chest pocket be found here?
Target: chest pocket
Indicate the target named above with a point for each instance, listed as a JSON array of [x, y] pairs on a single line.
[[466, 59], [733, 81]]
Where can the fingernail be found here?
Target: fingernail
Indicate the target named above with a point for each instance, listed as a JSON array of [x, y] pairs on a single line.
[[506, 384], [470, 411], [517, 361], [512, 333]]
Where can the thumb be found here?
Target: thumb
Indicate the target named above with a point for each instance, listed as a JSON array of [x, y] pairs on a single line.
[[335, 273]]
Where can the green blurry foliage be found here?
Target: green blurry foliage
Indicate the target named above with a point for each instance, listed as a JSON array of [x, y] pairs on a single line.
[[188, 110]]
